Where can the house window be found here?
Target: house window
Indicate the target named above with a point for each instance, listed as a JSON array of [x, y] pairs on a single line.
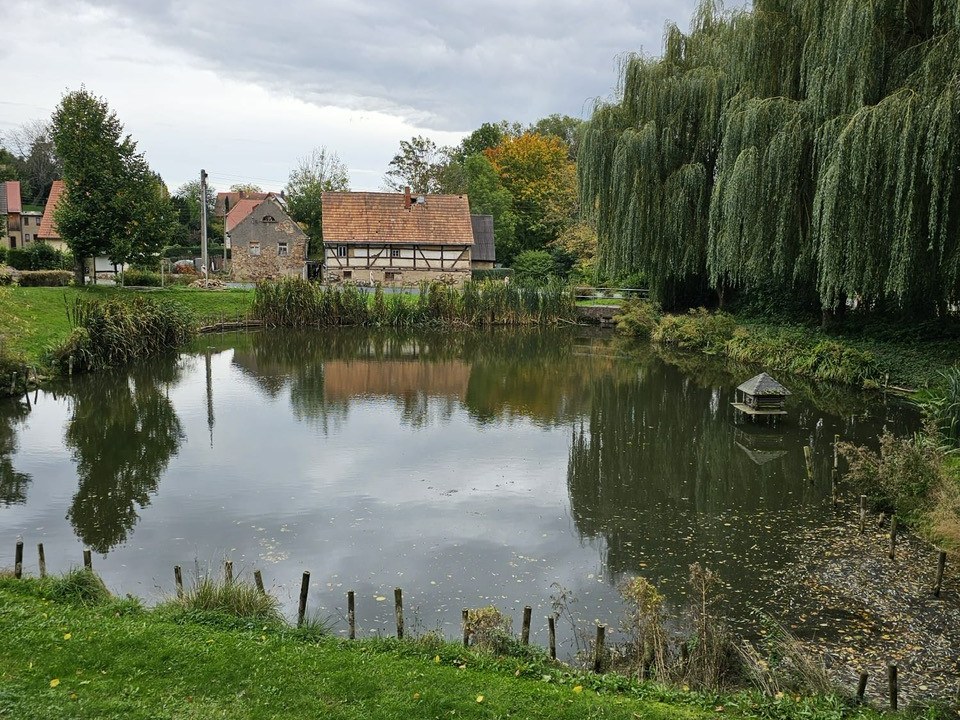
[[347, 274], [390, 276], [26, 238], [26, 219], [394, 252], [268, 219], [341, 250], [255, 248], [282, 250]]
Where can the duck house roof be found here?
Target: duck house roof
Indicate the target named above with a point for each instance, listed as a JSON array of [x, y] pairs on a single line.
[[763, 384]]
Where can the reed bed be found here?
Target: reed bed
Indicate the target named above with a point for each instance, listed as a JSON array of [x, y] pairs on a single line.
[[296, 303], [114, 332]]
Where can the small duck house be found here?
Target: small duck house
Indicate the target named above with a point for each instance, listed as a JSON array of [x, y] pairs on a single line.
[[761, 395]]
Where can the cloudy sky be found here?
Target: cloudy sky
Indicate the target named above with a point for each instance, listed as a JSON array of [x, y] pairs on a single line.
[[244, 89]]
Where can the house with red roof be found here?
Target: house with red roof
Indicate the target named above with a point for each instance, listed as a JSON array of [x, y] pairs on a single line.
[[47, 231], [21, 223], [265, 243], [397, 237]]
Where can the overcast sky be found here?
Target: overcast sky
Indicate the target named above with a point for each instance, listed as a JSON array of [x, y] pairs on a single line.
[[244, 89]]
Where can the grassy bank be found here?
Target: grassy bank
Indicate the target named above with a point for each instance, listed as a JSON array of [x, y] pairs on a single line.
[[33, 321], [69, 652], [857, 351]]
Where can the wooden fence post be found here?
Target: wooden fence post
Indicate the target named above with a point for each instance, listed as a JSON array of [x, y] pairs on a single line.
[[398, 607], [941, 563], [598, 650], [258, 579], [552, 629], [304, 589], [525, 632], [863, 512], [808, 457], [352, 614], [18, 560], [228, 572], [465, 625], [836, 457], [87, 560], [178, 579], [41, 560]]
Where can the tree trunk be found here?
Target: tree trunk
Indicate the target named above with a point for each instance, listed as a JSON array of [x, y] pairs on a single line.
[[78, 271]]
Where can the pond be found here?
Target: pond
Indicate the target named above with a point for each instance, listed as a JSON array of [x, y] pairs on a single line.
[[468, 468]]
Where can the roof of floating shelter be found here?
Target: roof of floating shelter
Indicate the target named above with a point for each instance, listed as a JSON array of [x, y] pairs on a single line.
[[763, 384]]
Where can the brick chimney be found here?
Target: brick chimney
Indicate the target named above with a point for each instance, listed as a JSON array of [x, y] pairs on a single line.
[[406, 197]]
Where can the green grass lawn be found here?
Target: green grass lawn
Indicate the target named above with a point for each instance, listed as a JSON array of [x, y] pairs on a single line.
[[34, 320], [63, 660]]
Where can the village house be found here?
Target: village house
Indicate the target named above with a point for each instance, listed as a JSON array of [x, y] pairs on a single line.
[[265, 243], [47, 233], [396, 237], [484, 254]]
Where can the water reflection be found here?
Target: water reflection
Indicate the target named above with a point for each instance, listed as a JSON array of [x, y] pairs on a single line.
[[122, 434], [13, 484]]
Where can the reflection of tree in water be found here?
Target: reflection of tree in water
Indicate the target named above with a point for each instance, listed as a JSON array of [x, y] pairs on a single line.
[[13, 484], [659, 471], [123, 432]]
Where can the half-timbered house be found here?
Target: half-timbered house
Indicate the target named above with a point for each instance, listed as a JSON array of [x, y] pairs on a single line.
[[395, 238]]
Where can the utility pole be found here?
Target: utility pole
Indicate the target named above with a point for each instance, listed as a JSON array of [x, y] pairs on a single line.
[[203, 225]]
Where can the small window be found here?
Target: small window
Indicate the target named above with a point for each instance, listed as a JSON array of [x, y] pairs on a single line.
[[394, 252], [391, 276], [26, 237], [341, 250], [26, 219], [282, 250], [255, 248], [347, 274], [268, 219]]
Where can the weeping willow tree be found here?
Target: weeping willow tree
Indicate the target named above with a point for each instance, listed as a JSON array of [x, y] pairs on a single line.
[[808, 145]]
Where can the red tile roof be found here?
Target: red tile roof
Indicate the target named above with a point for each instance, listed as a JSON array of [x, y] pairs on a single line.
[[368, 217], [239, 211], [12, 188], [234, 198], [48, 228]]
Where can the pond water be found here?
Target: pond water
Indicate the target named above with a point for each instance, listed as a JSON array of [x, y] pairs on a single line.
[[468, 468]]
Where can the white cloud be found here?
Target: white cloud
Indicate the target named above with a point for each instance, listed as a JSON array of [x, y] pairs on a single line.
[[243, 89]]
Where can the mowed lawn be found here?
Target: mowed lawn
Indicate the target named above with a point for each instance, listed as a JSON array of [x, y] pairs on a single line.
[[35, 320]]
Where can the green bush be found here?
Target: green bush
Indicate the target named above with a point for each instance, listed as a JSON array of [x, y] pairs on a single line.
[[3, 255], [699, 329], [45, 278], [534, 266], [141, 278], [637, 318], [492, 274], [6, 276], [38, 256], [119, 330]]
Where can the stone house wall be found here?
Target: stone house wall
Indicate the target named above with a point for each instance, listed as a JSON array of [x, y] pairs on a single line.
[[253, 232]]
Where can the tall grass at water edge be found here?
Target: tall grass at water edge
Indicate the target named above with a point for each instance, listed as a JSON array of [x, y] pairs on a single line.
[[297, 303], [113, 332]]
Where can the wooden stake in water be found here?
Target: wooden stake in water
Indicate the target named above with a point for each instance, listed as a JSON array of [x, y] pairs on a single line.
[[894, 690], [398, 606], [863, 512], [352, 614], [552, 631], [228, 572], [465, 625], [809, 460], [178, 579], [833, 486], [258, 579], [525, 632], [836, 451], [304, 589], [18, 560], [70, 366], [862, 686], [893, 535], [598, 650], [41, 560], [941, 564], [87, 559]]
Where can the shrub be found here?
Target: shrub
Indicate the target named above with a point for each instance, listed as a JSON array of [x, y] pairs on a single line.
[[6, 276], [81, 587], [492, 274], [45, 278], [141, 278], [237, 599], [38, 256], [942, 403], [698, 329], [637, 318], [534, 266], [117, 331], [3, 255]]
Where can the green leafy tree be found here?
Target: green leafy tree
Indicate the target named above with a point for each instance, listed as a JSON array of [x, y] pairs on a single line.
[[112, 204], [564, 127], [534, 266], [419, 165], [488, 197], [32, 148], [187, 206], [319, 172], [243, 187]]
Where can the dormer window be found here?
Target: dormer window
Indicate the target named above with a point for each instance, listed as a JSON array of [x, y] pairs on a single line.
[[268, 218]]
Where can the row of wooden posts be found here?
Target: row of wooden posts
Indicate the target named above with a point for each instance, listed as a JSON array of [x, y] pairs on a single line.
[[599, 644], [894, 522]]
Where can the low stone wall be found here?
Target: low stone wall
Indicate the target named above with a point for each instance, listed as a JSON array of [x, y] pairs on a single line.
[[601, 315]]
